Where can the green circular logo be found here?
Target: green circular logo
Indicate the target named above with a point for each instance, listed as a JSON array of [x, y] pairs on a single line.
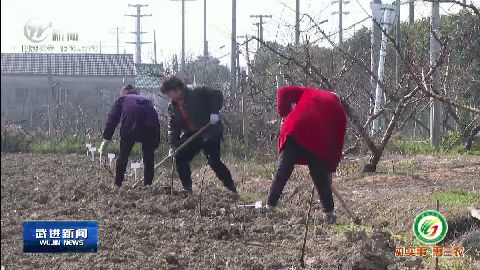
[[430, 227]]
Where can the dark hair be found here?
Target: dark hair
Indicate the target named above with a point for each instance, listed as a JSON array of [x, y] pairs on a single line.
[[171, 83], [129, 89]]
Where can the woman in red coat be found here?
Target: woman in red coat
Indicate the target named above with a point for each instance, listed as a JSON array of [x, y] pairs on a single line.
[[312, 134]]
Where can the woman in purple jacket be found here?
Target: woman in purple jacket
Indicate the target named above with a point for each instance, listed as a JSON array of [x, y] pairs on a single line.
[[139, 123]]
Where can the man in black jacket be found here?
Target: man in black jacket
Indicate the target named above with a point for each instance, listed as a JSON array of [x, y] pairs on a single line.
[[189, 111]]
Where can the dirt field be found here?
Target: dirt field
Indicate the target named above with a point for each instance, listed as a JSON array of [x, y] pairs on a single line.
[[147, 229]]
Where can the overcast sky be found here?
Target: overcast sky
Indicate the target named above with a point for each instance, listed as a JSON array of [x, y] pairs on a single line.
[[95, 21]]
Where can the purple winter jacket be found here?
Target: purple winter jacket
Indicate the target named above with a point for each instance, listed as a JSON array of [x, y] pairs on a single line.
[[139, 119]]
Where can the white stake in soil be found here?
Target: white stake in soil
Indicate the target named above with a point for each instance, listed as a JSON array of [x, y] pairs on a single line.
[[88, 145], [92, 150], [135, 166], [110, 158], [256, 205]]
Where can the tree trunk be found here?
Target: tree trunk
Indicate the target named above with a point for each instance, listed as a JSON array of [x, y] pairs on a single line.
[[371, 166], [470, 137]]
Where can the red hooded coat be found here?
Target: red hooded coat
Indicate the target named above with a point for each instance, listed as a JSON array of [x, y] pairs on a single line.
[[318, 122]]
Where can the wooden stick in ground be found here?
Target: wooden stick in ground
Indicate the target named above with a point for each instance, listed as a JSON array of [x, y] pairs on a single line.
[[347, 209], [188, 141], [201, 189], [172, 175], [302, 256], [183, 145]]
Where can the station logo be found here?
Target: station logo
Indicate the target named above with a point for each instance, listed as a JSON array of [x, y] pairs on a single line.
[[430, 227], [37, 30]]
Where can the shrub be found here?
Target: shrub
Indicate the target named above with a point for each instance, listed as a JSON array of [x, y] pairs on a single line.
[[15, 139], [411, 147]]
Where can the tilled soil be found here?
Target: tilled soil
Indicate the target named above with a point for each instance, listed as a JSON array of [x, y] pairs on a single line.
[[144, 228]]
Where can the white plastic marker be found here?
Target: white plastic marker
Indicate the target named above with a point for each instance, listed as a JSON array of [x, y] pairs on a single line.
[[92, 150], [88, 145], [135, 166], [110, 158], [257, 205]]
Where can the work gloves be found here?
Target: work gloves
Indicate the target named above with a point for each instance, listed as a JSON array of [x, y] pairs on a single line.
[[171, 152], [214, 119], [103, 145]]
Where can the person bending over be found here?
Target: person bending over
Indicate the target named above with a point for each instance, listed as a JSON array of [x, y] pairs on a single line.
[[189, 111], [139, 123], [312, 134]]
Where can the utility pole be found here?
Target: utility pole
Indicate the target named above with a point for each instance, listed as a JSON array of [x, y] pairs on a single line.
[[243, 85], [182, 61], [435, 105], [340, 13], [117, 32], [239, 72], [258, 34], [397, 40], [297, 22], [50, 101], [247, 56], [387, 22], [244, 110], [233, 54], [52, 104], [154, 47], [260, 24], [411, 14], [118, 42], [138, 42], [205, 42], [375, 39]]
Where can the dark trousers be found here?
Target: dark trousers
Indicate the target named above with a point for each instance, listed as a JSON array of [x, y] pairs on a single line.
[[211, 149], [291, 152], [148, 150]]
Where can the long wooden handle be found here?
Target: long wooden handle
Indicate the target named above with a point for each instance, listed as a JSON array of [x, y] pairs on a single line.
[[178, 149], [189, 140], [340, 198]]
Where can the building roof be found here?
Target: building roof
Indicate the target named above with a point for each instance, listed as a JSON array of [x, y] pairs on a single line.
[[148, 76], [67, 64]]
